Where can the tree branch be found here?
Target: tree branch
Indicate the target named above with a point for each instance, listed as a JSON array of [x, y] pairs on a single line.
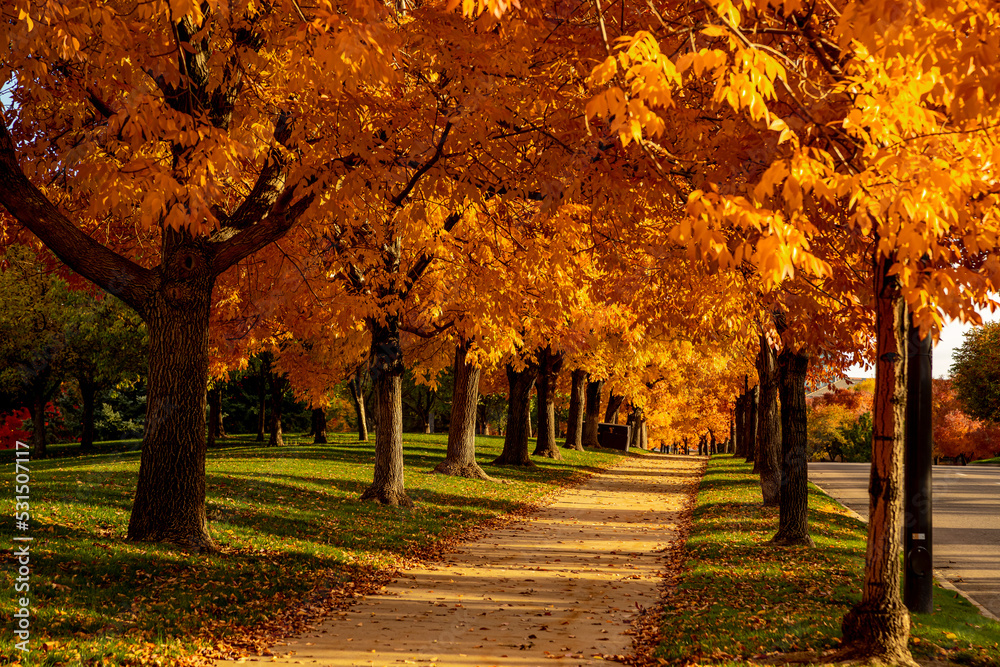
[[115, 274], [405, 192], [281, 218], [425, 259]]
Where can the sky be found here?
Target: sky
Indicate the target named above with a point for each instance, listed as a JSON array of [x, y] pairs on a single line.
[[952, 334]]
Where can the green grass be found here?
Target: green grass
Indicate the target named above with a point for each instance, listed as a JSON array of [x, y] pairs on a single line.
[[738, 601], [995, 461], [292, 532]]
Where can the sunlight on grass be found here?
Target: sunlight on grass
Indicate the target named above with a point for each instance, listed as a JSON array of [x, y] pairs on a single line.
[[290, 526], [740, 600]]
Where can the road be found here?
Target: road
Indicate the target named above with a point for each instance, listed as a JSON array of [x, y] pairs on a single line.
[[966, 524]]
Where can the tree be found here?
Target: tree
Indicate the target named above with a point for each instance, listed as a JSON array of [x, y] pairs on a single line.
[[768, 423], [592, 413], [549, 364], [956, 434], [975, 372], [460, 458], [793, 505], [37, 313], [107, 346], [170, 128], [577, 405], [881, 620], [356, 384], [521, 380]]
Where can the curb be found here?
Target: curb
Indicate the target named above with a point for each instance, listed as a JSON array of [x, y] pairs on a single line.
[[939, 578]]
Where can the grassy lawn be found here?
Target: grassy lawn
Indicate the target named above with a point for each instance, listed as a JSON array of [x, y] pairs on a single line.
[[739, 602], [995, 461], [295, 540]]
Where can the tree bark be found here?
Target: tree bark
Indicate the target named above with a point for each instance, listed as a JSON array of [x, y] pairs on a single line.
[[261, 400], [768, 443], [793, 505], [387, 378], [614, 405], [515, 442], [460, 458], [635, 436], [750, 425], [88, 392], [169, 501], [592, 414], [358, 398], [278, 385], [878, 627], [731, 443], [739, 425], [319, 426], [214, 415], [550, 363], [577, 401]]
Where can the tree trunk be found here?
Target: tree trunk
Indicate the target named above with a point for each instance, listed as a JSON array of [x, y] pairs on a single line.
[[460, 458], [878, 627], [88, 392], [214, 415], [261, 400], [278, 384], [39, 432], [319, 426], [643, 435], [358, 398], [739, 436], [635, 436], [577, 400], [793, 507], [169, 501], [614, 405], [750, 425], [387, 379], [731, 443], [550, 364], [515, 442], [592, 414], [768, 444]]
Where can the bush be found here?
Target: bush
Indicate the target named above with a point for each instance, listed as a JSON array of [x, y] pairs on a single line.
[[109, 425]]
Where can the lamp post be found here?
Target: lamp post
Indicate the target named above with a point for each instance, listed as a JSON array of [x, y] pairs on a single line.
[[918, 574]]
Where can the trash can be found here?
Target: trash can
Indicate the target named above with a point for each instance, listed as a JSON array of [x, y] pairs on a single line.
[[614, 436]]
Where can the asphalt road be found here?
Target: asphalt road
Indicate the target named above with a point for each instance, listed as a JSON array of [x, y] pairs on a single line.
[[966, 522]]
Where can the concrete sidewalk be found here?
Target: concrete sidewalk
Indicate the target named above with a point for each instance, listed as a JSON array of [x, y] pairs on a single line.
[[566, 583]]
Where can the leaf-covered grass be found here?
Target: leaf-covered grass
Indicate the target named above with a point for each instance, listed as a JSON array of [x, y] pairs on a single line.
[[741, 602], [292, 533]]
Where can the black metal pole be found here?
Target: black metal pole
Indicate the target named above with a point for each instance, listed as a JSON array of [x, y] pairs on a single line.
[[918, 575]]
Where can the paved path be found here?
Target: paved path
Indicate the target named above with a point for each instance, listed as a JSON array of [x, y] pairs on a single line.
[[564, 584], [966, 534]]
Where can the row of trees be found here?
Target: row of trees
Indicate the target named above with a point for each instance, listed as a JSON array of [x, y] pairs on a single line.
[[53, 329], [673, 197]]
